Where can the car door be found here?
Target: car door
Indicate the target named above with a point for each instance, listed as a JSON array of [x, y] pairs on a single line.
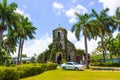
[[69, 66]]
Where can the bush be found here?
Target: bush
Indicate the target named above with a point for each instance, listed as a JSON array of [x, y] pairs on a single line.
[[29, 70], [26, 70], [49, 66], [106, 64], [8, 73]]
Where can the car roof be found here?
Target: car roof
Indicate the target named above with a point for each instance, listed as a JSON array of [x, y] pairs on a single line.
[[70, 62]]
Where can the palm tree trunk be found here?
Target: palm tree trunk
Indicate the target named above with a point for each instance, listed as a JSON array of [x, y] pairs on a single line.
[[111, 58], [1, 37], [102, 45], [19, 52], [86, 52], [22, 42]]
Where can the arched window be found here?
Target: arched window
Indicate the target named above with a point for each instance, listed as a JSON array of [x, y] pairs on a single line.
[[58, 34]]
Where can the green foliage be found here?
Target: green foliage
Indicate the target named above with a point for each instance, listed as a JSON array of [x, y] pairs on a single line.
[[5, 58], [63, 60], [32, 59], [52, 55], [8, 73], [26, 70], [40, 58], [24, 55], [106, 64], [29, 70]]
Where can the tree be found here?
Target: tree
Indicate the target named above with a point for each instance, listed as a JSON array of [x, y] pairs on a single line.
[[117, 46], [24, 55], [25, 31], [9, 42], [7, 17], [84, 27], [32, 59], [52, 55], [105, 24], [117, 18]]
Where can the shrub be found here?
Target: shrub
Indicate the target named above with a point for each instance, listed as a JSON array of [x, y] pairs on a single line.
[[106, 64], [26, 70], [9, 73], [49, 66]]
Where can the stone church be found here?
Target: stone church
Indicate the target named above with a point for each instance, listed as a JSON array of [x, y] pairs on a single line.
[[64, 49]]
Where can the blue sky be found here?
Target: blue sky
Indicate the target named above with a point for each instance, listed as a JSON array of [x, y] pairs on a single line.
[[46, 15]]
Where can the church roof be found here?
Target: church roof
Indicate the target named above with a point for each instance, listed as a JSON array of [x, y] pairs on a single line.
[[60, 28]]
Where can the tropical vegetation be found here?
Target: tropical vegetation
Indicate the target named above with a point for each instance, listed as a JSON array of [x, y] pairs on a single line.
[[18, 28], [99, 25], [23, 71]]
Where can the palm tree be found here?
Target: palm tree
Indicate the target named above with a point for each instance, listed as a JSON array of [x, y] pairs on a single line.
[[25, 31], [10, 43], [84, 27], [105, 24], [7, 16], [118, 18]]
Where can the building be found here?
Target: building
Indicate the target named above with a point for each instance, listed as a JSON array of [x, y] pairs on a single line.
[[64, 49]]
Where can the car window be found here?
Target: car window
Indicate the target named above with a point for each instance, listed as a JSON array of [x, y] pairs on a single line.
[[69, 64], [75, 63]]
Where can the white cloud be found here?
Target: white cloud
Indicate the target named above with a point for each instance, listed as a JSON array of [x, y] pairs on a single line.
[[91, 3], [71, 36], [58, 7], [73, 1], [111, 4], [36, 46], [24, 6], [70, 13], [22, 13], [92, 44]]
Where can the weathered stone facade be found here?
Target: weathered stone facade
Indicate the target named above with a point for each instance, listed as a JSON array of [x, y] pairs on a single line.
[[64, 49]]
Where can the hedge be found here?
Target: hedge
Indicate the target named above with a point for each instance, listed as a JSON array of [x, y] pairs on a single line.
[[22, 71], [9, 73], [106, 64]]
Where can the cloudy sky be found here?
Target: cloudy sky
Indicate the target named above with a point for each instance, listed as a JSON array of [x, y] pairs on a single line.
[[46, 15]]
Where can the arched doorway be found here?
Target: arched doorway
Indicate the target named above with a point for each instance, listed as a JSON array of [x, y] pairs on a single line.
[[78, 59], [59, 57]]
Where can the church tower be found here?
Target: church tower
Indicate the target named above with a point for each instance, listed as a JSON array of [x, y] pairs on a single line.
[[59, 38], [59, 43]]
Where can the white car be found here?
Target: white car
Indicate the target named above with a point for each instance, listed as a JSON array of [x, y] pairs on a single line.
[[72, 65]]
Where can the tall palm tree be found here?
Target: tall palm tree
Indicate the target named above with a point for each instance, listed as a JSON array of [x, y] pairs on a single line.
[[117, 19], [25, 31], [84, 27], [6, 16], [105, 24]]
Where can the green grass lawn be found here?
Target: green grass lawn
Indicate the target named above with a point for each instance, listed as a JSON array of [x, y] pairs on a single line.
[[60, 74]]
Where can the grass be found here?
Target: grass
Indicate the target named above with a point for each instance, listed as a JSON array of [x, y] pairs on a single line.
[[60, 74]]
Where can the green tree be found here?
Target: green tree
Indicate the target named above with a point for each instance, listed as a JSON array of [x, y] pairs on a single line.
[[32, 59], [117, 18], [117, 46], [24, 55], [109, 45], [7, 17], [9, 43], [105, 24], [25, 31], [52, 55], [84, 27]]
